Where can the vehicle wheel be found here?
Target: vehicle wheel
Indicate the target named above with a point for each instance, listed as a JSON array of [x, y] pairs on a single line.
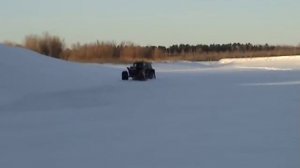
[[124, 75], [151, 75]]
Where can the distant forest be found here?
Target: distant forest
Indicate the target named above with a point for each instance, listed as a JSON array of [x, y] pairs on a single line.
[[103, 52]]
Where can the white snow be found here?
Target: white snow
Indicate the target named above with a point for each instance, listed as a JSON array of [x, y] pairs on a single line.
[[233, 113], [267, 63]]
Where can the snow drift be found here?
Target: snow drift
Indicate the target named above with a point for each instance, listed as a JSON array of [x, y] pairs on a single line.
[[267, 63], [224, 114]]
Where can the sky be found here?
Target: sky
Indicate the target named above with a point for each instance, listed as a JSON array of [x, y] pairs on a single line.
[[155, 22]]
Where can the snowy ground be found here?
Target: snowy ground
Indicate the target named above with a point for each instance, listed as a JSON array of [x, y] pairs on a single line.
[[235, 113]]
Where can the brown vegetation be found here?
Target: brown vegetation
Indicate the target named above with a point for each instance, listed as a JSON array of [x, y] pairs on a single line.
[[46, 44], [103, 52]]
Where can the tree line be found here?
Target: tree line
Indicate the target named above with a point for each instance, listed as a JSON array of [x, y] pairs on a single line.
[[54, 46]]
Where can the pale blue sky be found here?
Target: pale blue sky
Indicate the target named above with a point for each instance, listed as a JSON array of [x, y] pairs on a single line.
[[155, 22]]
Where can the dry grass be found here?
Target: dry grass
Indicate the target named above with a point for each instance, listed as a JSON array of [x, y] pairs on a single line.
[[126, 52], [46, 44]]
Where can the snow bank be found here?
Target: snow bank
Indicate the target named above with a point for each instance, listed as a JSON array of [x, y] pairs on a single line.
[[25, 72], [266, 63]]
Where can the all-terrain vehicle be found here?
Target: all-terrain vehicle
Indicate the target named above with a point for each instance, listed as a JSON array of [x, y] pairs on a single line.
[[140, 70]]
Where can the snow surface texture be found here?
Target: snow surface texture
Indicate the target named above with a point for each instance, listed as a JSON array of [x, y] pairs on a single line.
[[237, 113]]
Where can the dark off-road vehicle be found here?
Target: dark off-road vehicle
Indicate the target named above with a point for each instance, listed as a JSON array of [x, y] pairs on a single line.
[[139, 71]]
